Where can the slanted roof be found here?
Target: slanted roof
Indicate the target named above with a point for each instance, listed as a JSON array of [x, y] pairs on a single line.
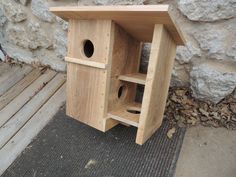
[[137, 20]]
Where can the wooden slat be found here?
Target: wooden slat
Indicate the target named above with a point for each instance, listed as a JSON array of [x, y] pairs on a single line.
[[138, 78], [4, 67], [18, 88], [122, 115], [26, 134], [125, 58], [138, 20], [22, 116], [12, 77], [86, 96], [9, 110], [86, 62], [157, 83]]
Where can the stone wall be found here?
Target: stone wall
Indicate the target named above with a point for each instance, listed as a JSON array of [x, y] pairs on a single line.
[[207, 64]]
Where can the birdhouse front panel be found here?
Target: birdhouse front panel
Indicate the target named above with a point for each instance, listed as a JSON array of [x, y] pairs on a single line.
[[87, 78]]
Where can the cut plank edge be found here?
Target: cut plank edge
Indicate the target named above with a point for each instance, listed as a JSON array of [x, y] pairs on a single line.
[[10, 128], [15, 75], [14, 91], [18, 102], [124, 120], [86, 62], [135, 78], [26, 134]]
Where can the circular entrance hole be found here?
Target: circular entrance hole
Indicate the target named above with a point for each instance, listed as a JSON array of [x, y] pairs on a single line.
[[88, 48], [121, 92], [133, 111]]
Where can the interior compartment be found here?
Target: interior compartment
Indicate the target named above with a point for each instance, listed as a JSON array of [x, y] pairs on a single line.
[[125, 77]]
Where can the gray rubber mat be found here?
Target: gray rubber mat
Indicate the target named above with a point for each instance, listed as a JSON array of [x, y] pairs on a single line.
[[67, 148]]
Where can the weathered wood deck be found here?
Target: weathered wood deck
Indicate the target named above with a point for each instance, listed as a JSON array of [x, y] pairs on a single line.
[[29, 98]]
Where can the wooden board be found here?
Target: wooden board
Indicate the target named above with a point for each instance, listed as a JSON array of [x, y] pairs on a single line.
[[12, 76], [86, 85], [157, 83], [86, 62], [138, 78], [9, 110], [125, 59], [121, 114], [18, 88], [26, 134], [29, 109], [4, 67], [138, 20]]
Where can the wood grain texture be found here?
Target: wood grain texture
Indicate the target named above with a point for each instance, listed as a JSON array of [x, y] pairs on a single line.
[[4, 67], [18, 88], [125, 59], [138, 78], [29, 109], [138, 20], [12, 76], [86, 62], [157, 83], [26, 134], [121, 114], [9, 110], [87, 86], [97, 31]]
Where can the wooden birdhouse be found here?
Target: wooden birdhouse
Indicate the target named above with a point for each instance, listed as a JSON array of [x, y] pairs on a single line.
[[103, 60]]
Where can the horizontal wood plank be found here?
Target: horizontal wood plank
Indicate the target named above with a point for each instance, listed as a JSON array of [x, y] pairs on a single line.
[[138, 78], [4, 67], [18, 88], [9, 110], [11, 77], [121, 114], [29, 109], [26, 134], [138, 20]]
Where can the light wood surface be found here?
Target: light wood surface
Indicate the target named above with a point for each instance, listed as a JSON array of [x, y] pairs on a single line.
[[18, 88], [101, 86], [139, 20], [9, 110], [10, 78], [138, 78], [26, 134], [160, 66], [125, 59], [121, 114], [86, 62], [86, 86], [28, 110], [4, 68]]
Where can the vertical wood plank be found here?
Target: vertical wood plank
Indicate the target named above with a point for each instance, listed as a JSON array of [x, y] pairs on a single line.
[[125, 57], [157, 83], [87, 86]]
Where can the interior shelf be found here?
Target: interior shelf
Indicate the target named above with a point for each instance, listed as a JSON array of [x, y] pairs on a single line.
[[128, 113], [138, 78]]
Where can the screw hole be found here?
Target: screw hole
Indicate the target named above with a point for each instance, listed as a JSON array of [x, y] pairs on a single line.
[[88, 48]]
